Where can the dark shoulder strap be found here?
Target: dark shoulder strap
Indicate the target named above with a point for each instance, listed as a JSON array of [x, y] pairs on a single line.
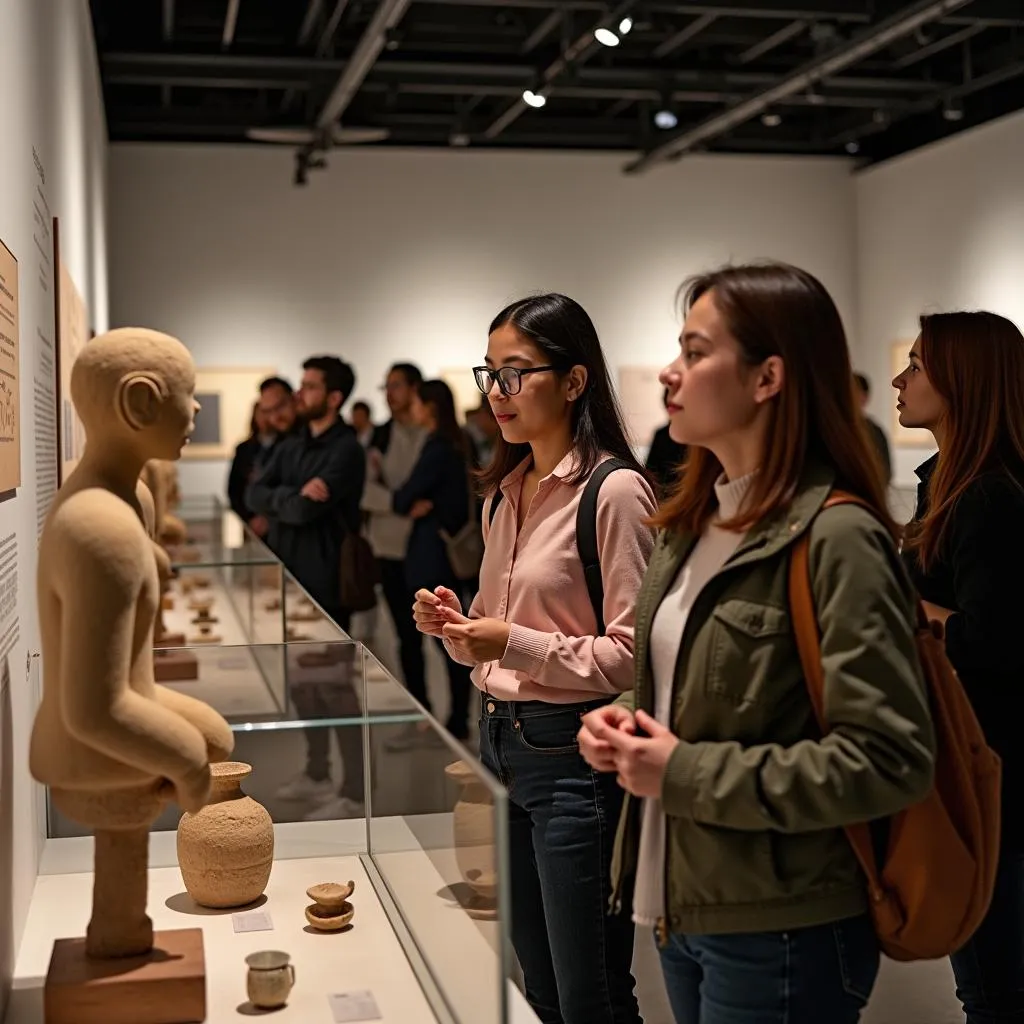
[[495, 502], [586, 535]]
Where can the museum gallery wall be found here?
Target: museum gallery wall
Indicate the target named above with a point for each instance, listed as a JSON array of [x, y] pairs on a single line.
[[252, 270], [54, 165]]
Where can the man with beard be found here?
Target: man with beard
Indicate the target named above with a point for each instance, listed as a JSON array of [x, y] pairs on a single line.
[[309, 491]]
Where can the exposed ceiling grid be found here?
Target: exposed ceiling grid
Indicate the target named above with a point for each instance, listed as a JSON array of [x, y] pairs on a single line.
[[658, 80]]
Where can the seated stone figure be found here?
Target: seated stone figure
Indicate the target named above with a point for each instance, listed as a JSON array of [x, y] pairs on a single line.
[[112, 745]]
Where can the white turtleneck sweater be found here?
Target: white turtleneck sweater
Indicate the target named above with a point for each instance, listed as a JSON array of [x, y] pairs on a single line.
[[712, 551]]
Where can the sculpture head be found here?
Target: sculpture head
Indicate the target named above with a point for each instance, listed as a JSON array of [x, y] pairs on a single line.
[[135, 388]]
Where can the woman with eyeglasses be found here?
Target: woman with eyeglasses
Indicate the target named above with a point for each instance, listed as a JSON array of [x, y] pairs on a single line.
[[540, 654]]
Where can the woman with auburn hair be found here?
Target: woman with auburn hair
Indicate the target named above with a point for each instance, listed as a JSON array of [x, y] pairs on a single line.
[[731, 838], [965, 552]]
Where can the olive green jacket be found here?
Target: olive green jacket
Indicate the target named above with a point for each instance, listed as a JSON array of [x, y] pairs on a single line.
[[755, 799]]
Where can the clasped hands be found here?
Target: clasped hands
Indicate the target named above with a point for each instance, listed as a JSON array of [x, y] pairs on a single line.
[[439, 613], [315, 490], [609, 742]]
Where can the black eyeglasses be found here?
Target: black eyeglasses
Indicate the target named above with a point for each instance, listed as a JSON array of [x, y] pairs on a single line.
[[509, 378]]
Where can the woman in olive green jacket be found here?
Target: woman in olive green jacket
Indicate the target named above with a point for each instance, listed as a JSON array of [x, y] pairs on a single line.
[[731, 838]]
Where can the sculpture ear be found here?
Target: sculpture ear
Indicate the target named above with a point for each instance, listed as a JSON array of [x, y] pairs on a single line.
[[139, 399]]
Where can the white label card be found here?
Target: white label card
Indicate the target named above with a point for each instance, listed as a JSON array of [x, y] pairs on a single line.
[[252, 921], [354, 1006]]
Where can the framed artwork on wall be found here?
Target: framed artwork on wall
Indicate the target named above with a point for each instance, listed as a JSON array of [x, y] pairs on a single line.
[[905, 437], [640, 395], [226, 396]]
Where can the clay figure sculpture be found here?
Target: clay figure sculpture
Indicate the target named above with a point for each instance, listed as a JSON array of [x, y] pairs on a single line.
[[226, 850], [112, 745], [330, 910]]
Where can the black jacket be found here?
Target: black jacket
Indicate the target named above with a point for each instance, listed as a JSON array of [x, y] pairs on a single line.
[[249, 456], [441, 477], [305, 534], [664, 460], [978, 576]]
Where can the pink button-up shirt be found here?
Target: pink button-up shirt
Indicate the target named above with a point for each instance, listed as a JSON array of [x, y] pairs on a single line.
[[533, 578]]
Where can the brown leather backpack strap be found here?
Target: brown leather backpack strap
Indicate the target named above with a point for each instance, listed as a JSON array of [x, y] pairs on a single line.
[[804, 620]]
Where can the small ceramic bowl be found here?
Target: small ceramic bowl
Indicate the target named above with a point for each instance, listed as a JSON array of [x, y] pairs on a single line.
[[331, 910]]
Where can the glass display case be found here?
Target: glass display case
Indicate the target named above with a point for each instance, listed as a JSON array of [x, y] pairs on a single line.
[[423, 834]]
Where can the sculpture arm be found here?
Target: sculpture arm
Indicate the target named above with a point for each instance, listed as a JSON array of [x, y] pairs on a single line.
[[105, 567], [220, 741]]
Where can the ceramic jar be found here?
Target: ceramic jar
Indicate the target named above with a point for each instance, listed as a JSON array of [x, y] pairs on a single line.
[[270, 979], [226, 850], [473, 818]]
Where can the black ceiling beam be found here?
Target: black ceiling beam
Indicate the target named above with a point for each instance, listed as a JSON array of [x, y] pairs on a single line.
[[775, 40], [168, 20], [784, 10], [902, 23], [573, 56], [169, 68], [937, 46], [683, 36], [902, 111], [230, 24], [543, 30]]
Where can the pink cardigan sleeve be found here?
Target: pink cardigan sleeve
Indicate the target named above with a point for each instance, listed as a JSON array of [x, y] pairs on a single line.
[[603, 664]]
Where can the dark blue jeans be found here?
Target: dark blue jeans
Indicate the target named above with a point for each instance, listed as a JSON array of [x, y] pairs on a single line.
[[820, 975], [562, 818], [990, 968]]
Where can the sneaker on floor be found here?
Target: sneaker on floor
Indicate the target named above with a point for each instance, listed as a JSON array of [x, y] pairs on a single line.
[[302, 787], [339, 807]]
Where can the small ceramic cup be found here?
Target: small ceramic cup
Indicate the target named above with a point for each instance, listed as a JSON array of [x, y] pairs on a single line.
[[270, 979]]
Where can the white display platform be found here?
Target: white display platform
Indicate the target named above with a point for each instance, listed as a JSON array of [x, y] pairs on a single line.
[[368, 957]]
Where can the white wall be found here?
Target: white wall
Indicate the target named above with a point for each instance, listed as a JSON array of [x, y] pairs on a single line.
[[939, 229], [408, 255], [51, 108]]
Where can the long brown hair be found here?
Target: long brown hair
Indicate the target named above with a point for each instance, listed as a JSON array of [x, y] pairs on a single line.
[[773, 309], [975, 361], [562, 329]]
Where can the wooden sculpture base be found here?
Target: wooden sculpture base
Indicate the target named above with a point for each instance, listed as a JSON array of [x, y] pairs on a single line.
[[164, 986], [175, 666], [170, 640]]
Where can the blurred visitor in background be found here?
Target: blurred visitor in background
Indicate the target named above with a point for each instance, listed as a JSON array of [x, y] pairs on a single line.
[[664, 457], [879, 442], [245, 462], [362, 424]]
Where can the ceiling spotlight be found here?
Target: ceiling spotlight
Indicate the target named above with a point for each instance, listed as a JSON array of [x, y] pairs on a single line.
[[625, 26], [458, 139], [880, 117], [666, 120], [534, 99], [606, 37], [953, 110], [853, 148], [771, 120]]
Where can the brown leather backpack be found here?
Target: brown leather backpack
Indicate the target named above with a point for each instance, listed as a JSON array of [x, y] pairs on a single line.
[[933, 884]]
